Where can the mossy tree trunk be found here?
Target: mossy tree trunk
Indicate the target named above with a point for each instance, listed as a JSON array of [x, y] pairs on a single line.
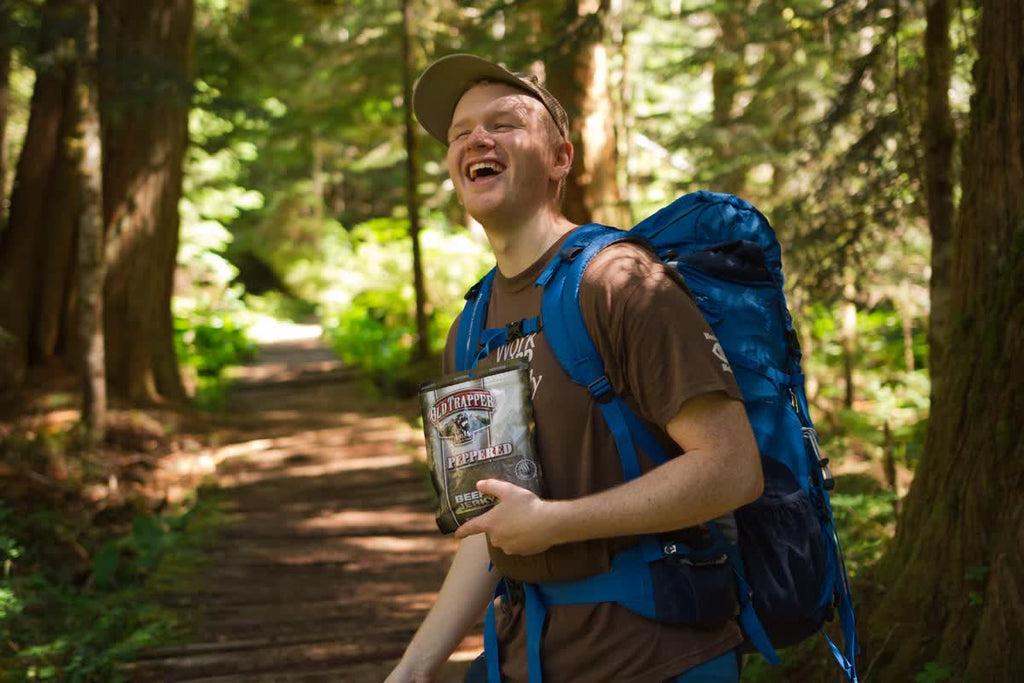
[[578, 74], [36, 248], [91, 265], [6, 40], [953, 581], [145, 88], [939, 143], [412, 183]]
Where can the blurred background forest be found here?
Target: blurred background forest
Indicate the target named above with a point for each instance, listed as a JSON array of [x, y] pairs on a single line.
[[179, 176]]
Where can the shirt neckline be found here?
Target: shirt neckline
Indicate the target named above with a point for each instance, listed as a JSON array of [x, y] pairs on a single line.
[[525, 278]]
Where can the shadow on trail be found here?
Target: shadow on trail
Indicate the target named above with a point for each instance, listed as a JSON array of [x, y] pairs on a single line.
[[331, 556]]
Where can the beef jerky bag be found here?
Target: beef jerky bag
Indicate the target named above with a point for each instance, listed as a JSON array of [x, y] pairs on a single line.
[[478, 425]]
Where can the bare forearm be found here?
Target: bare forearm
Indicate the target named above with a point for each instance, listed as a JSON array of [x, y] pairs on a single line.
[[719, 471], [685, 491], [467, 589]]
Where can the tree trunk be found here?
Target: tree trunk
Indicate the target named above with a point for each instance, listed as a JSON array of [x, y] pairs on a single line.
[[145, 83], [848, 334], [728, 69], [35, 249], [953, 581], [90, 237], [412, 184], [939, 142], [578, 75], [5, 73]]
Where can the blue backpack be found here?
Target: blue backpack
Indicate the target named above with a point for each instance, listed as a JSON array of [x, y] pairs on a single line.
[[786, 570]]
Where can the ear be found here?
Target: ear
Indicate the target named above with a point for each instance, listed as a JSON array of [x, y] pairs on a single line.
[[562, 163]]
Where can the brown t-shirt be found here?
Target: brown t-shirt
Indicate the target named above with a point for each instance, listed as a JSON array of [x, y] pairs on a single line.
[[650, 334]]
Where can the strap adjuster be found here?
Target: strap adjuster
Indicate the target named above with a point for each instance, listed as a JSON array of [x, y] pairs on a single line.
[[513, 331], [572, 252], [601, 389]]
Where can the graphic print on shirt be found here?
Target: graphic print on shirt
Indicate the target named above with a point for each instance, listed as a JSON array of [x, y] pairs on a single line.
[[717, 350], [521, 348]]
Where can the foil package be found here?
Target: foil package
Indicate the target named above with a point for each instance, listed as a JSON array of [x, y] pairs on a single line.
[[478, 425]]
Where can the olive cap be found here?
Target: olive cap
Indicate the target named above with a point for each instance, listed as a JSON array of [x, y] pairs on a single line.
[[443, 83]]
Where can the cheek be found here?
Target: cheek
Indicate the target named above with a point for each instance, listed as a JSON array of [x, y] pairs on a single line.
[[453, 167]]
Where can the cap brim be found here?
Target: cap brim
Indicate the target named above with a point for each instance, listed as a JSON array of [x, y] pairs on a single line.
[[444, 82]]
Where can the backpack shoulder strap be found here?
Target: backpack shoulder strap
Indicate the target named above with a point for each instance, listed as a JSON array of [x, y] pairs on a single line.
[[570, 341], [471, 322], [560, 305]]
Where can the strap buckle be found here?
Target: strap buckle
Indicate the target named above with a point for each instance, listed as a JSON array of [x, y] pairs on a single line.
[[601, 389], [513, 331]]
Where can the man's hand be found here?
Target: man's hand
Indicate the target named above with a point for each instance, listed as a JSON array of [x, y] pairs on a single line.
[[520, 523]]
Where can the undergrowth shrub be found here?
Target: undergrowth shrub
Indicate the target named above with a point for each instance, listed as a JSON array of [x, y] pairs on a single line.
[[65, 619], [370, 317]]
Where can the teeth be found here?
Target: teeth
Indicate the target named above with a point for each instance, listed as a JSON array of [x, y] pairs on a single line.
[[475, 169]]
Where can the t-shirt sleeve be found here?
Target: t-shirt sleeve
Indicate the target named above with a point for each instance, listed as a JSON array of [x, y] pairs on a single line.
[[657, 347]]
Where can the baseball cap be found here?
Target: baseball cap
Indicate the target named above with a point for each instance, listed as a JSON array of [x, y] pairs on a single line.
[[444, 82]]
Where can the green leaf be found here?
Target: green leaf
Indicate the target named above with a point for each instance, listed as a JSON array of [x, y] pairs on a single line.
[[104, 564]]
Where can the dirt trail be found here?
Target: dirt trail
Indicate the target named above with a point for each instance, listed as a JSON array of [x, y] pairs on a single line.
[[331, 557]]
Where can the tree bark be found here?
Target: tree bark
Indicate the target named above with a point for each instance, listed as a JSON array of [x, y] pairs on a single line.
[[729, 67], [91, 266], [145, 88], [578, 75], [939, 142], [36, 246], [5, 73], [953, 580], [412, 184]]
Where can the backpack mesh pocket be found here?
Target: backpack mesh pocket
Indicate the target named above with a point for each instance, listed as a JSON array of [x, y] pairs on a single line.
[[784, 556]]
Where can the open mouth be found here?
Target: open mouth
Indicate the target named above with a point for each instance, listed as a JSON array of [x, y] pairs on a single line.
[[483, 169]]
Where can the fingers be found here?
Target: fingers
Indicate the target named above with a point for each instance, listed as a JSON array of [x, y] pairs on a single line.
[[477, 525], [495, 487]]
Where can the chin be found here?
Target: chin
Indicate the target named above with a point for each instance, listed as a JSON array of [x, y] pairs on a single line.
[[484, 212]]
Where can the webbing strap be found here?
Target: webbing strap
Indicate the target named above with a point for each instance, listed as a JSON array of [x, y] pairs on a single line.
[[847, 657], [781, 379], [496, 337], [471, 322], [643, 438], [491, 643], [749, 621], [615, 414], [536, 615], [628, 583]]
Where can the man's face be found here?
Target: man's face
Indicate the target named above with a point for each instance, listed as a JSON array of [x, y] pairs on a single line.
[[500, 154]]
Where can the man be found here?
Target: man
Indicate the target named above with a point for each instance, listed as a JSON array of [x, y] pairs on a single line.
[[509, 156]]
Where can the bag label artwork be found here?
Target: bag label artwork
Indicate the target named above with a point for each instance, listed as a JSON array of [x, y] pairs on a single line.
[[478, 425]]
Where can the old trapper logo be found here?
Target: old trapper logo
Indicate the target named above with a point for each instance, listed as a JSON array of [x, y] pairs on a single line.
[[464, 418], [460, 415]]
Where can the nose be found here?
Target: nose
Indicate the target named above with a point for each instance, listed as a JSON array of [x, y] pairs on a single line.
[[479, 137]]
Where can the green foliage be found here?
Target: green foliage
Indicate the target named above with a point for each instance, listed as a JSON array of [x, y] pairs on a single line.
[[55, 626], [865, 520], [887, 394], [933, 672], [210, 342], [370, 314], [207, 342]]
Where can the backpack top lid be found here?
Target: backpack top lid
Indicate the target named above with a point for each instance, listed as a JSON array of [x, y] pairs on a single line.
[[684, 225]]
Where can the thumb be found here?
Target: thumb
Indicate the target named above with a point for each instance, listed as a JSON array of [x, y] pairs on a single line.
[[495, 487]]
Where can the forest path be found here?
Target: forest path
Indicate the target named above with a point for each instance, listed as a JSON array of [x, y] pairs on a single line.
[[331, 557]]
